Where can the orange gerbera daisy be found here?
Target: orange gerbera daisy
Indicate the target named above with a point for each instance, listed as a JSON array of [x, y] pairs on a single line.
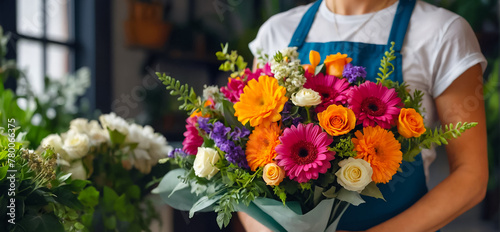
[[260, 146], [261, 102], [379, 148]]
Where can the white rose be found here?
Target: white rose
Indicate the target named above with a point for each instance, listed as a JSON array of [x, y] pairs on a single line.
[[136, 134], [204, 163], [159, 148], [306, 97], [143, 165], [54, 141], [76, 145], [97, 134], [77, 170], [79, 125], [114, 122], [354, 174]]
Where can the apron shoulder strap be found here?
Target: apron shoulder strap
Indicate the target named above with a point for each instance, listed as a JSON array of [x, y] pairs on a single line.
[[300, 34], [400, 23]]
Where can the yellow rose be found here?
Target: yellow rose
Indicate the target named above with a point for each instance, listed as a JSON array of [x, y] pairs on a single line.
[[273, 174], [410, 123], [335, 64], [337, 120]]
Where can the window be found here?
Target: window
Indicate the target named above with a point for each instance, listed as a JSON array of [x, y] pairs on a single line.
[[45, 38], [55, 37]]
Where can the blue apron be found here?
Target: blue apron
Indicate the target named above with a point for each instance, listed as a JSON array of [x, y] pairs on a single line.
[[406, 187]]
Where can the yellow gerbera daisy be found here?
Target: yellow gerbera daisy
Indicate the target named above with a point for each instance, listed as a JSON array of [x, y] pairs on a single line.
[[379, 148], [260, 146], [261, 102]]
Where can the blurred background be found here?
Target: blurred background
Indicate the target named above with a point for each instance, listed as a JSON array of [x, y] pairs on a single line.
[[79, 58]]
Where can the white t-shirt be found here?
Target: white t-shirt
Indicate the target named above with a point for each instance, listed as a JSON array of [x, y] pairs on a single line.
[[439, 45]]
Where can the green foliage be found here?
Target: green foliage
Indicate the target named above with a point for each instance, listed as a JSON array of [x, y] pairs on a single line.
[[344, 148], [187, 95], [233, 62], [414, 101], [280, 192], [440, 136], [386, 67], [240, 187], [278, 57], [372, 190], [45, 198]]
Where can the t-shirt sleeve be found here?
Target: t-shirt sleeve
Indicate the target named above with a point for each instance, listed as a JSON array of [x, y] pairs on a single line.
[[261, 41], [457, 51], [275, 34]]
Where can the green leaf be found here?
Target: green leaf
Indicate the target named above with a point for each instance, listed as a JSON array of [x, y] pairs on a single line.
[[228, 113], [372, 190], [352, 197], [78, 185], [109, 198], [330, 193], [3, 154], [317, 194], [116, 137], [110, 222], [64, 177], [89, 197], [3, 172], [179, 186], [134, 192], [41, 223], [66, 197], [203, 203], [318, 69], [124, 209]]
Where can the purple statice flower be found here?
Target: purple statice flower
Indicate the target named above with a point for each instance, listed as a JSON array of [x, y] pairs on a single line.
[[239, 133], [287, 115], [219, 130], [177, 152], [352, 73], [234, 154], [238, 157], [204, 125]]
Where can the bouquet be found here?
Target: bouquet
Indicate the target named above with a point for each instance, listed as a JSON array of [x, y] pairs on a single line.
[[115, 156], [294, 145]]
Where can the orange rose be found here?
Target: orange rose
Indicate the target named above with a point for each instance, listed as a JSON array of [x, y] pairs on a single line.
[[410, 123], [337, 120], [335, 64], [273, 174]]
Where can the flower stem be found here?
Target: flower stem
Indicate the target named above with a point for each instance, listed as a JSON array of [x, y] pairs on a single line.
[[308, 115]]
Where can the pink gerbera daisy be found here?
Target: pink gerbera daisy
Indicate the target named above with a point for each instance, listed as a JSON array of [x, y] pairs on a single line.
[[234, 89], [192, 139], [303, 152], [332, 89], [374, 104]]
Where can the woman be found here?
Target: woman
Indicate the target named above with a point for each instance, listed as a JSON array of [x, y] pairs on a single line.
[[437, 53]]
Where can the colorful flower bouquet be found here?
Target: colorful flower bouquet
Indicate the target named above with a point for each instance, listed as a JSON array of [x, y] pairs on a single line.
[[115, 156], [294, 145]]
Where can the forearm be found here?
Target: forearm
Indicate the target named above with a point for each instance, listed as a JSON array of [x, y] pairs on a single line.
[[452, 197], [251, 224]]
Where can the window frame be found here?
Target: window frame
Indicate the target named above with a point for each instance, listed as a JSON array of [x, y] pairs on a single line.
[[89, 44]]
